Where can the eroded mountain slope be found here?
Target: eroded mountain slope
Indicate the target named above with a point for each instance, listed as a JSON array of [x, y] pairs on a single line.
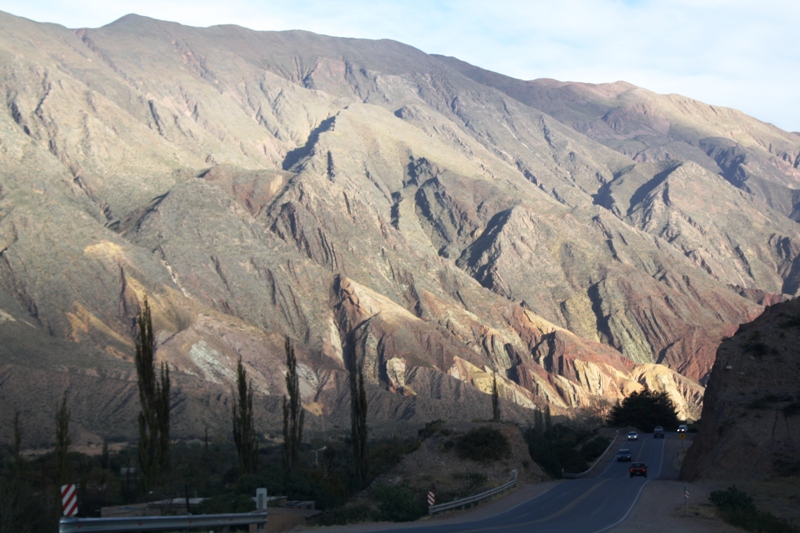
[[347, 194]]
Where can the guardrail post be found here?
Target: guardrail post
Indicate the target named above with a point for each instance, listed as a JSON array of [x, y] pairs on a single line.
[[261, 504]]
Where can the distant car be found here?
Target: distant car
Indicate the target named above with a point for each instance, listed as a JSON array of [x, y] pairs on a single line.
[[624, 454], [682, 428], [658, 432], [638, 469], [633, 435]]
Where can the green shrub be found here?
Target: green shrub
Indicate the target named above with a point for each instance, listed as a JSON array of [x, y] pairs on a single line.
[[778, 398], [765, 401], [474, 481], [384, 454], [793, 409], [431, 429], [731, 499], [594, 448], [348, 515], [759, 404], [786, 467], [571, 460], [792, 322], [543, 453], [399, 503], [484, 444], [227, 503], [560, 449], [645, 410], [739, 509]]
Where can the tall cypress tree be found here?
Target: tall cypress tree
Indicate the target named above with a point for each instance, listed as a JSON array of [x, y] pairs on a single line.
[[293, 414], [63, 441], [153, 401], [18, 462], [495, 399], [358, 417], [244, 433], [538, 422]]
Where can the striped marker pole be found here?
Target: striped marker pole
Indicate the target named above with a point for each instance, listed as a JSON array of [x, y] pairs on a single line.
[[69, 500], [431, 498], [686, 497]]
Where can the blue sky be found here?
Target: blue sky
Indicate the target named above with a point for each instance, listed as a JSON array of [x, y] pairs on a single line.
[[737, 53]]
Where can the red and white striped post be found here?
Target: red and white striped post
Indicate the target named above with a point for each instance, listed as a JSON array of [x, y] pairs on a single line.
[[686, 497], [69, 500], [431, 498]]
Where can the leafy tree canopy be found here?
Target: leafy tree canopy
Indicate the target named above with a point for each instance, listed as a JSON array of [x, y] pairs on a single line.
[[645, 410]]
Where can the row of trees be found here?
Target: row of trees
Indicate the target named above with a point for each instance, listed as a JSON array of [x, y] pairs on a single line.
[[245, 434], [154, 402], [645, 410], [154, 417]]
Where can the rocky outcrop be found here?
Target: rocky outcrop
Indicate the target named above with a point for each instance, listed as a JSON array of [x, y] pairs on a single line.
[[436, 465], [751, 413]]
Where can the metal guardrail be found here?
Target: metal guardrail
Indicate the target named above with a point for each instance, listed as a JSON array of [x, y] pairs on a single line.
[[586, 473], [433, 509], [160, 523]]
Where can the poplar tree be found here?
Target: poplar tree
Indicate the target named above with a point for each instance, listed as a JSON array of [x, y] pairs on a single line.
[[293, 414], [18, 462], [63, 441], [153, 401], [358, 417], [538, 422], [244, 433], [548, 421], [495, 399]]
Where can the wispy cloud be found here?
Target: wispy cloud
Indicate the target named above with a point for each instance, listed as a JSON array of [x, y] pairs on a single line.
[[736, 53]]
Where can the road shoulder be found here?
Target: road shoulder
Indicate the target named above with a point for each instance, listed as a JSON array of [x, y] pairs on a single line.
[[511, 499]]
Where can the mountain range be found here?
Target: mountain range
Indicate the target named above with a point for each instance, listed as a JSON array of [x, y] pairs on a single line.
[[441, 222]]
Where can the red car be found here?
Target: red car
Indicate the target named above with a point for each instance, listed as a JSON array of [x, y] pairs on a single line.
[[638, 469]]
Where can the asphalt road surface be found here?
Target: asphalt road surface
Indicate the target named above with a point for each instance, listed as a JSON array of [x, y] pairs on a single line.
[[590, 505]]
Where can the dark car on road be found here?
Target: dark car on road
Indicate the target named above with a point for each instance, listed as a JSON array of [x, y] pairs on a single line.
[[638, 469], [658, 432], [624, 454]]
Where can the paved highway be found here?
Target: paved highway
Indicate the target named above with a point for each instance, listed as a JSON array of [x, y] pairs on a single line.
[[590, 505]]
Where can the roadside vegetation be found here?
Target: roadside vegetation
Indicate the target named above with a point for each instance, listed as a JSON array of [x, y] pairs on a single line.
[[226, 469], [561, 448], [645, 410], [30, 503], [211, 468], [739, 509]]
